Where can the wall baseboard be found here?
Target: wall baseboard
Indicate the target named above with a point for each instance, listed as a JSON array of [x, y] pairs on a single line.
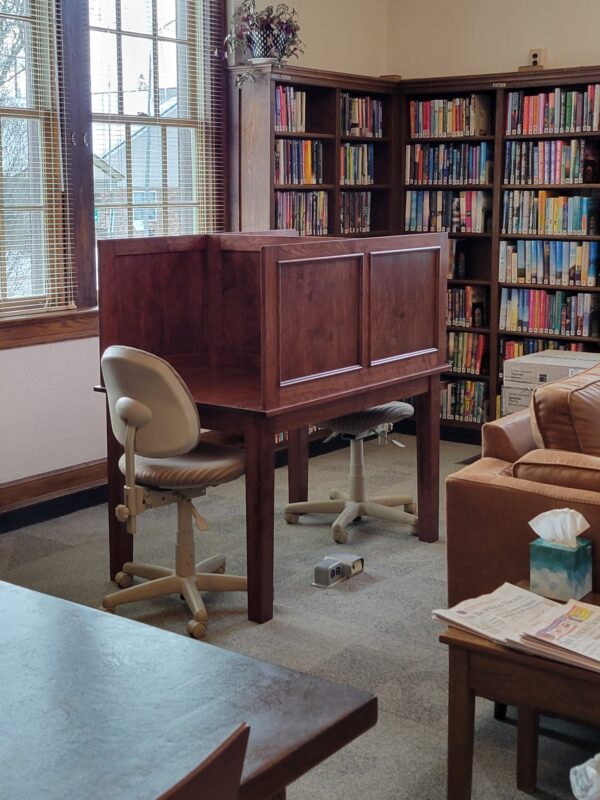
[[51, 485]]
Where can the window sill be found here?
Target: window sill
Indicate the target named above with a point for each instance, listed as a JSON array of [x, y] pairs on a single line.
[[59, 326]]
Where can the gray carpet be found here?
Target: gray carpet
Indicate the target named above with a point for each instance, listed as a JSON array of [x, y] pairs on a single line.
[[374, 632]]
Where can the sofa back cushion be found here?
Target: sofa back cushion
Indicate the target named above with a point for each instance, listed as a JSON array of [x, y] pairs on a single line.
[[565, 415], [559, 468]]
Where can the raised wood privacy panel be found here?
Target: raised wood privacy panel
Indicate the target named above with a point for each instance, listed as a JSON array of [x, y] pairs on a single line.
[[404, 304], [319, 316], [240, 321]]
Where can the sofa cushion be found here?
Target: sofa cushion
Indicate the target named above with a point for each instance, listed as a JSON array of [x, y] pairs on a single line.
[[559, 468], [565, 415]]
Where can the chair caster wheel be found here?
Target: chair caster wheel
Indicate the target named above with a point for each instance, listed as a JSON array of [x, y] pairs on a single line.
[[292, 519], [334, 494], [341, 536], [196, 629], [123, 580], [411, 508]]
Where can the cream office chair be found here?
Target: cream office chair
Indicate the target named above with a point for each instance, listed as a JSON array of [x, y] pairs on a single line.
[[354, 504], [154, 417]]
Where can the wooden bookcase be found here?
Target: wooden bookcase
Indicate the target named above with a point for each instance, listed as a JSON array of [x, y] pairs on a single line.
[[253, 189], [253, 136]]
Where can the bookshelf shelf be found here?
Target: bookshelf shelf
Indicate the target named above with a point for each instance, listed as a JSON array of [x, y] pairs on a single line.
[[366, 139], [456, 423], [363, 187], [466, 329], [559, 336], [449, 187], [552, 186], [469, 376], [468, 235], [551, 287], [567, 237], [297, 135], [306, 187], [467, 282], [453, 139], [564, 135]]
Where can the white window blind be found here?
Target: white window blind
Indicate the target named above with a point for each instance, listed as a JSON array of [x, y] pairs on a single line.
[[157, 112], [36, 269]]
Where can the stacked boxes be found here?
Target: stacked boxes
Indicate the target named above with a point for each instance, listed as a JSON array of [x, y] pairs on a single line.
[[523, 374]]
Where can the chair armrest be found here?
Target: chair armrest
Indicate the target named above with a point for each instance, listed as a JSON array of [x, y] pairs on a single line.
[[508, 438]]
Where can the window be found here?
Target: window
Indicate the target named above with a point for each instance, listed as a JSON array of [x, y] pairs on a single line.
[[157, 117], [131, 147]]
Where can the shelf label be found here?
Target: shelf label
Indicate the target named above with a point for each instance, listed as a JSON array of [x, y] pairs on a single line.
[[499, 85]]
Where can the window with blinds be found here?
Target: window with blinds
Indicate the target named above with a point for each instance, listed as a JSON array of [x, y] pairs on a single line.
[[157, 112], [36, 269]]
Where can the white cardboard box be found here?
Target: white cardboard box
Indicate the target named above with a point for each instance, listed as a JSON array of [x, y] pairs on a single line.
[[550, 365], [515, 398]]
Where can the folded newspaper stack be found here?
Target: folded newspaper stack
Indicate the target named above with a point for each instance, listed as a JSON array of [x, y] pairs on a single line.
[[523, 620]]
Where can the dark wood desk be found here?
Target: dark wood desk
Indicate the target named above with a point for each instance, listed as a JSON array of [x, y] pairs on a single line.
[[274, 337], [480, 668], [96, 706]]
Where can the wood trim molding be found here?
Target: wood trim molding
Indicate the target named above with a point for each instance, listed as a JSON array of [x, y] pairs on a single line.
[[57, 326], [50, 485]]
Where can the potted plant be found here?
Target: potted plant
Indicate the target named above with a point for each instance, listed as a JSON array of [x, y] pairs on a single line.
[[270, 34]]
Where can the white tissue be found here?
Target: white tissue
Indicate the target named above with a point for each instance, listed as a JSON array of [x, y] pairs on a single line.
[[585, 780], [560, 525]]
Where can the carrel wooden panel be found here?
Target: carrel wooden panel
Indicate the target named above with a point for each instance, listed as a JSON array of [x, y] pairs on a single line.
[[319, 316], [404, 307], [240, 321]]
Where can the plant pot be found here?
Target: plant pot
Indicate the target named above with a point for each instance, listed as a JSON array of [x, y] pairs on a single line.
[[280, 41], [259, 44]]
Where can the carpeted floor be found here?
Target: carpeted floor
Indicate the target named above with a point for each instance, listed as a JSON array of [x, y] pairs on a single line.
[[374, 632]]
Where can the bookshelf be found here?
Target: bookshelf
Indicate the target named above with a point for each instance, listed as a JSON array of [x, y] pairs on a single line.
[[449, 157], [538, 276], [314, 151]]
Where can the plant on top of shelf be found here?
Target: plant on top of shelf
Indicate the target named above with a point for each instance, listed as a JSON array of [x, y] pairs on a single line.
[[270, 34]]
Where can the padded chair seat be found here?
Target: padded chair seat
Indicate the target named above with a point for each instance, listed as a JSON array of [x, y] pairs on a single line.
[[363, 421], [206, 465]]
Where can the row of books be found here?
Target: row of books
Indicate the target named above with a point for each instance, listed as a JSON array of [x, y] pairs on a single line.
[[298, 161], [557, 263], [357, 164], [554, 161], [457, 260], [558, 111], [539, 311], [464, 401], [457, 116], [466, 307], [514, 348], [458, 212], [530, 212], [355, 212], [290, 109], [307, 212], [361, 116], [467, 351], [449, 163]]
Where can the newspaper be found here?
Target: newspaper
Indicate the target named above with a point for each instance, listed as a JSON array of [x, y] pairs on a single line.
[[501, 615], [570, 634]]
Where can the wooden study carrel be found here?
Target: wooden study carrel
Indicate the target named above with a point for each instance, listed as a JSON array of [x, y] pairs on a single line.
[[274, 332]]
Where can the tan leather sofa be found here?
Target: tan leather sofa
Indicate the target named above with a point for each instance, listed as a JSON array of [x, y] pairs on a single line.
[[532, 461]]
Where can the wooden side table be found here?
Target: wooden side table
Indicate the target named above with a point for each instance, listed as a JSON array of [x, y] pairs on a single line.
[[480, 668]]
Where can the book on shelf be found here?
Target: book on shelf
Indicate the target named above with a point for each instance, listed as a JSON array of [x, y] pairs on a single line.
[[357, 164], [553, 161], [556, 312], [547, 213], [456, 212], [456, 116], [514, 348], [307, 212], [464, 401], [467, 352], [298, 161], [519, 619], [290, 109], [361, 116], [467, 306], [457, 260], [555, 262], [448, 163], [355, 212], [559, 110]]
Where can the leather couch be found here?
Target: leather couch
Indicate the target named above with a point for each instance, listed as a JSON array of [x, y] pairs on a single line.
[[534, 460]]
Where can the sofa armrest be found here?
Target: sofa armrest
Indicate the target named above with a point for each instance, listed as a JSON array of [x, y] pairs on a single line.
[[487, 525], [559, 468], [508, 438]]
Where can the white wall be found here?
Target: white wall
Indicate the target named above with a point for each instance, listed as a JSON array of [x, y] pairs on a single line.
[[49, 416], [432, 38]]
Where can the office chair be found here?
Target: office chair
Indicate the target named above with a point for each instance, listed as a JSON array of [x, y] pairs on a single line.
[[154, 417], [356, 504], [218, 776]]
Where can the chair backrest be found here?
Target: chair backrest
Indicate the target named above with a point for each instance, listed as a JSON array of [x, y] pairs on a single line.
[[217, 777], [174, 427]]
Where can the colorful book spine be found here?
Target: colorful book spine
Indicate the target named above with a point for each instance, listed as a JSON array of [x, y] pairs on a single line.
[[467, 352], [464, 401], [306, 212], [446, 164], [557, 312], [361, 116], [298, 161], [357, 164], [355, 212], [542, 212], [290, 109], [557, 111], [458, 116], [438, 211], [554, 263]]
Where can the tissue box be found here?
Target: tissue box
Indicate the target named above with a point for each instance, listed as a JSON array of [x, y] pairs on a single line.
[[559, 572]]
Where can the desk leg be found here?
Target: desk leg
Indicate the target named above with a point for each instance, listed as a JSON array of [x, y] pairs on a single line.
[[527, 748], [260, 474], [461, 719], [298, 465], [279, 796], [427, 407], [120, 543]]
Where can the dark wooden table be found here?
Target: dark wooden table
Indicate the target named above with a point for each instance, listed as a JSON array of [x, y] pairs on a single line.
[[480, 668], [97, 706]]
